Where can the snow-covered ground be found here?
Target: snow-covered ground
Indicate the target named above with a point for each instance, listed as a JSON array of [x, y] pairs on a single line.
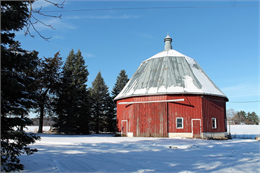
[[105, 153], [237, 131], [244, 131], [35, 128]]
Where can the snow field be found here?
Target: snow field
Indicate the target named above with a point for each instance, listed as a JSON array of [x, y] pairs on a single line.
[[237, 131], [244, 131], [105, 153], [35, 128]]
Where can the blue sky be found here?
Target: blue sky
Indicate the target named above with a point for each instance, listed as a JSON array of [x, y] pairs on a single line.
[[224, 40]]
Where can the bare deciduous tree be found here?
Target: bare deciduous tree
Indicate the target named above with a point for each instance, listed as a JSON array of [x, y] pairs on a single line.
[[231, 113], [32, 20]]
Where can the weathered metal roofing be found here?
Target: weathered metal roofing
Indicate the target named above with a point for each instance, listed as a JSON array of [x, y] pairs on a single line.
[[169, 72]]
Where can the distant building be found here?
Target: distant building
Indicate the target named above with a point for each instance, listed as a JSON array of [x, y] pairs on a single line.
[[169, 95]]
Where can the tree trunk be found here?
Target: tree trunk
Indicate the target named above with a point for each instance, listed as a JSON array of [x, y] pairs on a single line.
[[97, 126], [41, 119], [21, 128], [97, 122], [42, 104], [87, 129]]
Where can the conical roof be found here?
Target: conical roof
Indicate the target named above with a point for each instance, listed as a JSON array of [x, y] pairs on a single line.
[[169, 72]]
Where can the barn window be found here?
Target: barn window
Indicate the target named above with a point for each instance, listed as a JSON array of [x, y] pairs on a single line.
[[214, 123], [179, 123]]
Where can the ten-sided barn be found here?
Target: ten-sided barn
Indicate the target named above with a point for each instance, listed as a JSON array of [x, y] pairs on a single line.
[[169, 95]]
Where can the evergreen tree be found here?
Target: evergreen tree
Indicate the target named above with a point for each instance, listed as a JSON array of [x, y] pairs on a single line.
[[17, 95], [73, 109], [121, 81], [240, 117], [100, 97], [110, 115], [252, 118], [47, 83]]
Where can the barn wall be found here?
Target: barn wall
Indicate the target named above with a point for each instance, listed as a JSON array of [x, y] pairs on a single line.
[[153, 119], [124, 112], [159, 119], [189, 109], [150, 119], [214, 107]]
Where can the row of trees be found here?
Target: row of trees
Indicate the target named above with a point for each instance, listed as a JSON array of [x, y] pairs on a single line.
[[46, 87], [61, 92], [78, 109], [241, 117]]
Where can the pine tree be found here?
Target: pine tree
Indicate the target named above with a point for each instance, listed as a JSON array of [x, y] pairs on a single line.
[[17, 95], [110, 115], [252, 118], [73, 107], [100, 96], [47, 83], [121, 81], [240, 117]]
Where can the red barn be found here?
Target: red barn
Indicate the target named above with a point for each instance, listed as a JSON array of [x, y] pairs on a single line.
[[170, 95]]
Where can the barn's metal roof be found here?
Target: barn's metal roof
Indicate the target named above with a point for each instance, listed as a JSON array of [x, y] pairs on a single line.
[[169, 72]]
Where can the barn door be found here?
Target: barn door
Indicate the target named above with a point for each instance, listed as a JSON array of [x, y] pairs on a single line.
[[124, 126], [196, 128]]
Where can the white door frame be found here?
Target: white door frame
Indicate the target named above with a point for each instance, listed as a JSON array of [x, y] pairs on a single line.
[[122, 127], [192, 126]]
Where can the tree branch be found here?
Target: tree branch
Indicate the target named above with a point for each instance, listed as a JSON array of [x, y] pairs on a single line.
[[32, 24], [57, 4], [45, 38], [40, 13], [42, 23]]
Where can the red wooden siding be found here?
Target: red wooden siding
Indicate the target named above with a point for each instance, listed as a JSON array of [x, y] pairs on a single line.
[[196, 128], [159, 118], [124, 127], [188, 110], [124, 112], [214, 107], [150, 118]]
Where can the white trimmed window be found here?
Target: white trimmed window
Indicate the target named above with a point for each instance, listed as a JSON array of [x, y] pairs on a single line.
[[179, 123], [214, 123]]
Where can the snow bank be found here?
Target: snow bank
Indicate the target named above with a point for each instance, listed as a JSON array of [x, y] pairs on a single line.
[[35, 128], [244, 131]]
